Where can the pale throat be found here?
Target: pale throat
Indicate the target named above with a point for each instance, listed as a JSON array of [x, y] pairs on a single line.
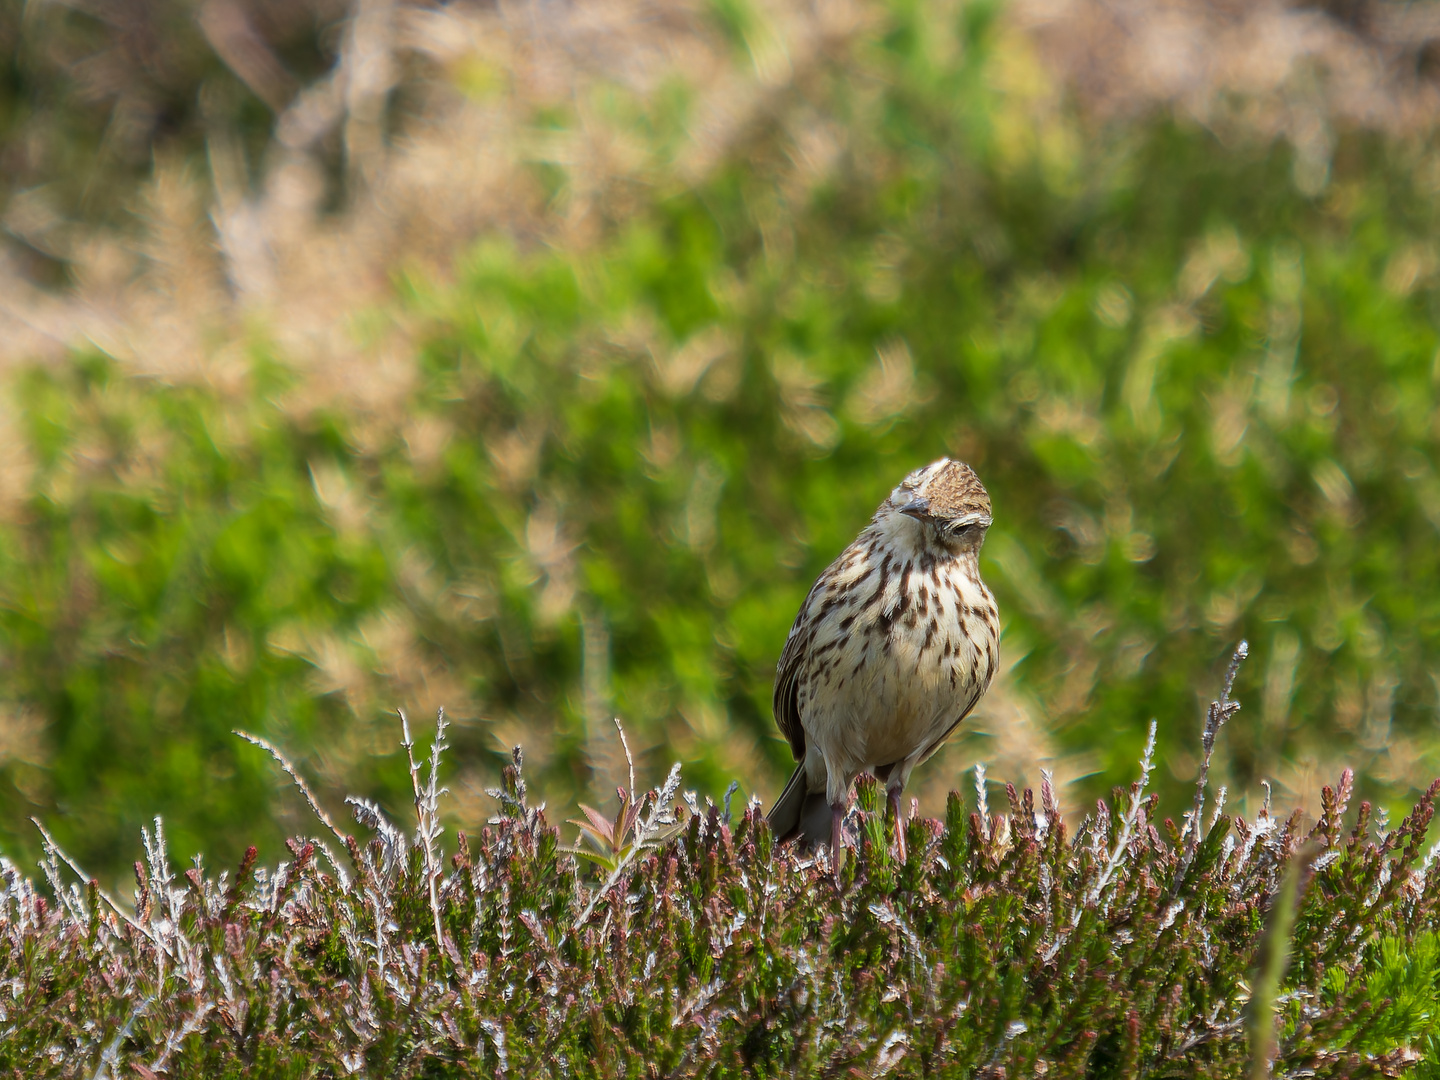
[[911, 538]]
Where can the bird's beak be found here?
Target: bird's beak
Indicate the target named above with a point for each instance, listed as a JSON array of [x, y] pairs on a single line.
[[917, 507]]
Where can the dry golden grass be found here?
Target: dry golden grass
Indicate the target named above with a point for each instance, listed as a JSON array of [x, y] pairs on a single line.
[[229, 243]]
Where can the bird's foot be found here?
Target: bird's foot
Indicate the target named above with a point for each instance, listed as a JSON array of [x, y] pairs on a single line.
[[894, 796]]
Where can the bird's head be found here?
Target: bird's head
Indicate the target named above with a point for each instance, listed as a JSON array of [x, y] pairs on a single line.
[[949, 502]]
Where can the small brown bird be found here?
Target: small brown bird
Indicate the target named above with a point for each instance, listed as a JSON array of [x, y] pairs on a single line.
[[893, 647]]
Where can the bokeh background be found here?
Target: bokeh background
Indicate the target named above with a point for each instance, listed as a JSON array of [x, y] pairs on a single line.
[[531, 359]]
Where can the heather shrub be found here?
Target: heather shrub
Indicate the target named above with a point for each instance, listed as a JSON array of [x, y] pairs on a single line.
[[1007, 944]]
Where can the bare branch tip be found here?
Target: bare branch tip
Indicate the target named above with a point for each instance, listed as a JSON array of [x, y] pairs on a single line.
[[58, 852], [296, 778], [629, 760], [1242, 651]]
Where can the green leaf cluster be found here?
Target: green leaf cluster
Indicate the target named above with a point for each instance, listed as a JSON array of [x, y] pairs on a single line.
[[1401, 980]]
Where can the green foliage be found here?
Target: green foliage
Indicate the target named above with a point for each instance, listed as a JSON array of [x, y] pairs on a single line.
[[1003, 945], [1403, 979], [1203, 403], [169, 538]]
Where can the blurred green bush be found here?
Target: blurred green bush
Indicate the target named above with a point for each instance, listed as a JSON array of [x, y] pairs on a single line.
[[1203, 401]]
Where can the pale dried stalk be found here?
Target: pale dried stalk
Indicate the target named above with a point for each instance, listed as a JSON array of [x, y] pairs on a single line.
[[299, 780], [114, 905], [427, 813], [1129, 822]]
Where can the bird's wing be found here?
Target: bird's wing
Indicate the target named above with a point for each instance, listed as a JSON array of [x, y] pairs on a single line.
[[787, 676]]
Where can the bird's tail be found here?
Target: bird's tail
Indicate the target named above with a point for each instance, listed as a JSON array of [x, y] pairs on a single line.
[[799, 812]]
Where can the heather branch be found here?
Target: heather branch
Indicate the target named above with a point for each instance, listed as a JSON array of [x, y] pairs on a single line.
[[427, 803], [1219, 712], [1049, 803], [110, 1058], [299, 780], [1129, 821], [629, 758], [982, 806], [392, 839], [52, 846]]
